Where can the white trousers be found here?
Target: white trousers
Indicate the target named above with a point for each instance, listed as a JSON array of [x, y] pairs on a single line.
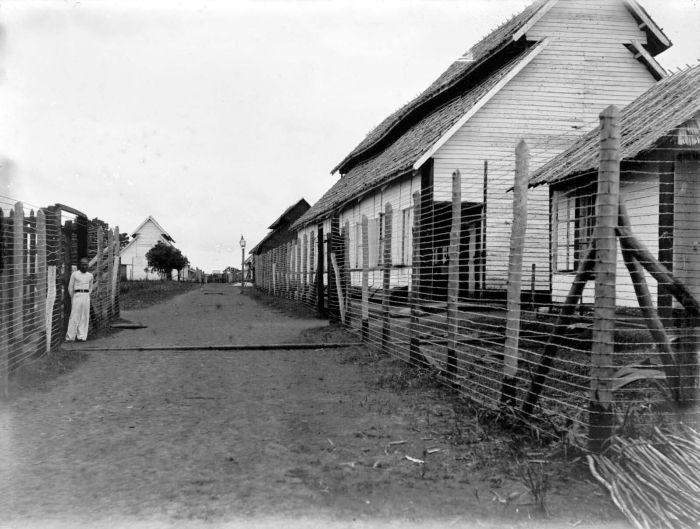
[[79, 317]]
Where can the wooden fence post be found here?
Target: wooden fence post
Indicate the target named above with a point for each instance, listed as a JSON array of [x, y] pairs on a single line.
[[107, 294], [115, 275], [338, 286], [31, 320], [5, 319], [304, 267], [97, 298], [331, 241], [41, 283], [311, 269], [320, 302], [347, 278], [453, 275], [365, 279], [601, 416], [289, 268], [17, 309], [414, 295], [297, 268], [386, 280], [54, 301], [511, 349]]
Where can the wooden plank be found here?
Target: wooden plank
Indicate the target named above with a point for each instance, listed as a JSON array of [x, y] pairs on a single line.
[[331, 240], [511, 352], [346, 269], [311, 266], [96, 296], [365, 278], [297, 269], [338, 287], [320, 301], [41, 283], [304, 267], [386, 279], [453, 274], [601, 413], [414, 297], [116, 265], [273, 268], [666, 232], [107, 290], [5, 320], [17, 296], [482, 249], [425, 236]]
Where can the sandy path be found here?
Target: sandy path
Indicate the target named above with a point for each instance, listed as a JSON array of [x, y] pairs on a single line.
[[255, 438]]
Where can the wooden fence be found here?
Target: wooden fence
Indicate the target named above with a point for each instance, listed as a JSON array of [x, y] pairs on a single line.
[[38, 251]]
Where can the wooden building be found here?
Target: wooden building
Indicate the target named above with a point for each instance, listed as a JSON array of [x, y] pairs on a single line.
[[280, 234], [134, 264], [542, 76], [659, 183]]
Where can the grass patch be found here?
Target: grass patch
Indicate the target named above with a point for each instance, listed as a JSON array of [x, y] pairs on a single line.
[[141, 294], [286, 306], [37, 374]]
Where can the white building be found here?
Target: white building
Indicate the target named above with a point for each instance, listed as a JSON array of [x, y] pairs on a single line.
[[134, 264]]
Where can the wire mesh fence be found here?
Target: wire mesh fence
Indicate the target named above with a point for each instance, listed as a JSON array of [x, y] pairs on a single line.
[[39, 248], [572, 304]]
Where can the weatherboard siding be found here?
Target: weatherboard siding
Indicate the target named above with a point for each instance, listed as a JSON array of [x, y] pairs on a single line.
[[686, 244], [584, 68], [400, 196]]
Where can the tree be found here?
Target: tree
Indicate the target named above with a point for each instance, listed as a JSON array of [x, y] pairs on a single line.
[[164, 258], [123, 240]]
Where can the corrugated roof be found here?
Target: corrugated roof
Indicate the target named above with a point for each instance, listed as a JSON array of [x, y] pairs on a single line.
[[665, 106], [399, 157]]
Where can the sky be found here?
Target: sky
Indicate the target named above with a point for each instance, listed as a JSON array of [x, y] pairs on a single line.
[[214, 116]]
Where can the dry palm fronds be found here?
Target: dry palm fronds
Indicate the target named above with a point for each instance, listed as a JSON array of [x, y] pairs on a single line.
[[655, 482]]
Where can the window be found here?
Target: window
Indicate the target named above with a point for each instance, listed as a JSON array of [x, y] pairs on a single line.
[[372, 239], [574, 219], [406, 235], [380, 240]]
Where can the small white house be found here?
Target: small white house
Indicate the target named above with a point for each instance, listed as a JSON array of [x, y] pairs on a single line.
[[133, 256]]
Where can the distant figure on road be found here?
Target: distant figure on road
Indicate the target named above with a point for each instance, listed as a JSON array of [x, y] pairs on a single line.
[[79, 288]]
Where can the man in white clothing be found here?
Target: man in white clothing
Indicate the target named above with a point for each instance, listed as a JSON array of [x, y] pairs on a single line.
[[79, 288]]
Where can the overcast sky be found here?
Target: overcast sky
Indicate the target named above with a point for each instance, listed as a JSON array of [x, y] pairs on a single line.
[[215, 116]]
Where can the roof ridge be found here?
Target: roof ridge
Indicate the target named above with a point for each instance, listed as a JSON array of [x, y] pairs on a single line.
[[457, 71]]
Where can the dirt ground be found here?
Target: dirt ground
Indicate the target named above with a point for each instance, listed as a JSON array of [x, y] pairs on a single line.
[[294, 438]]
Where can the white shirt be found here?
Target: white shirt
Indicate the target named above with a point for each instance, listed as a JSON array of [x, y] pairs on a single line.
[[80, 281]]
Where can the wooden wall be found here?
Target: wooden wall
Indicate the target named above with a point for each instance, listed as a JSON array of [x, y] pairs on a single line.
[[584, 68]]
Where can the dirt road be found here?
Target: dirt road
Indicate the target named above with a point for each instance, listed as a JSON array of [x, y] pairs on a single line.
[[249, 438]]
